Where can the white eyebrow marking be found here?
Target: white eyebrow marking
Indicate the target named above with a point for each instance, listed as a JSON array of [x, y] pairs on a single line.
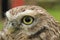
[[20, 14], [27, 12]]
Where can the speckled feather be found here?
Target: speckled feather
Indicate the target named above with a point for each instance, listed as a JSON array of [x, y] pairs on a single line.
[[44, 26]]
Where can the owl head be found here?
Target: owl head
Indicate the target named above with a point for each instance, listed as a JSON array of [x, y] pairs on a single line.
[[29, 20]]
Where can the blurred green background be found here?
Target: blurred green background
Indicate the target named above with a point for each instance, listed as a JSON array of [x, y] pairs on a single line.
[[52, 6]]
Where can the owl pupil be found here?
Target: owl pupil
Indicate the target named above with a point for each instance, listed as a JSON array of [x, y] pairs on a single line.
[[27, 19]]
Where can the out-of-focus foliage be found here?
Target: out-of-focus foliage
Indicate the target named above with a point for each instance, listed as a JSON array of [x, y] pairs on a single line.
[[44, 3], [1, 24]]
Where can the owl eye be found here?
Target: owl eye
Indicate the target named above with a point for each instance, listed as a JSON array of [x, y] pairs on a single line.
[[27, 20]]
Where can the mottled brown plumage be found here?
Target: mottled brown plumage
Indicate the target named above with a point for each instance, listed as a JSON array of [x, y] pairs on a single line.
[[30, 23]]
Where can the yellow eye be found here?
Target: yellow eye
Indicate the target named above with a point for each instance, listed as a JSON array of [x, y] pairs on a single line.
[[27, 20]]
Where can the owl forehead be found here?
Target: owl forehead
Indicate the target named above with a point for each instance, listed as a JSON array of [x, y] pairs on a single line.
[[27, 12], [21, 14]]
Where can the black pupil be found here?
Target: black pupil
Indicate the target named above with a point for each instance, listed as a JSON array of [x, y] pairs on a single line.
[[27, 19]]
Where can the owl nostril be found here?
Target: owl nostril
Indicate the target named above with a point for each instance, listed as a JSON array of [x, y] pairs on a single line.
[[13, 24]]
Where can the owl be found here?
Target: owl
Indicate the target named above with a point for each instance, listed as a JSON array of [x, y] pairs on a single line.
[[29, 22]]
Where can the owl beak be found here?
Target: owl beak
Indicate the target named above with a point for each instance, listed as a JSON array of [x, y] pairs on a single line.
[[12, 30], [9, 30]]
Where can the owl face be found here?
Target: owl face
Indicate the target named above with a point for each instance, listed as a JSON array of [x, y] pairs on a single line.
[[23, 21], [30, 23], [30, 20]]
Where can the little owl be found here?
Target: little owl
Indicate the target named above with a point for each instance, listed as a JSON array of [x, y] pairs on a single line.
[[29, 23]]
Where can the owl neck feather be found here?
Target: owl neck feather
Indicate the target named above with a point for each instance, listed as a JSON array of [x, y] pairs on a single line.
[[38, 32]]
